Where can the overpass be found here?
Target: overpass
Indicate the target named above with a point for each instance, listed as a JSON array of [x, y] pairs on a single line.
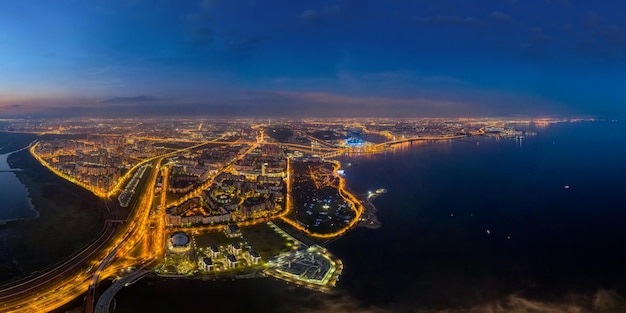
[[423, 138], [104, 303], [132, 235], [291, 145], [321, 142]]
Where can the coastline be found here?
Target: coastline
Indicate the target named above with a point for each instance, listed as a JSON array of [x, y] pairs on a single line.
[[29, 199], [57, 203], [31, 207], [369, 219]]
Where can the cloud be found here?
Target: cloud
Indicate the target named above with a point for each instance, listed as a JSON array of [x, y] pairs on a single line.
[[135, 99], [448, 20], [564, 3], [538, 36], [501, 17], [203, 12], [11, 109], [337, 302], [242, 46], [309, 15], [329, 104], [592, 20], [601, 39], [101, 70], [345, 10], [600, 301], [530, 43], [208, 5], [406, 76], [392, 83], [261, 103], [458, 99], [315, 16], [202, 37]]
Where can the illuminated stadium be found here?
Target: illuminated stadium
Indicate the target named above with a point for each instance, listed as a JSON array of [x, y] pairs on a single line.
[[178, 242], [354, 142]]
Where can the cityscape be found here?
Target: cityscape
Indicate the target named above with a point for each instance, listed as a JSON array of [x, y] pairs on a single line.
[[217, 198], [332, 156]]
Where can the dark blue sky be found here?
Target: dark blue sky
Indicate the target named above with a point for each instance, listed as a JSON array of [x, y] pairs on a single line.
[[335, 58]]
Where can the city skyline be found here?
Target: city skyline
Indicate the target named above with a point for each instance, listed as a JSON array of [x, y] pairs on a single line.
[[328, 58]]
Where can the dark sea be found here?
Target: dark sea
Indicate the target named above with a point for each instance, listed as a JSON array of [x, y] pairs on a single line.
[[480, 225]]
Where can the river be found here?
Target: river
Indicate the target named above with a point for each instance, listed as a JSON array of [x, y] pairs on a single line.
[[14, 199]]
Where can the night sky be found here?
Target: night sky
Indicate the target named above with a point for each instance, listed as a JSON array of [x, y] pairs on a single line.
[[313, 58]]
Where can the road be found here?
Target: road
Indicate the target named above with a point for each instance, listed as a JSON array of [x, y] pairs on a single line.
[[356, 206], [133, 234], [12, 296], [62, 284], [104, 303]]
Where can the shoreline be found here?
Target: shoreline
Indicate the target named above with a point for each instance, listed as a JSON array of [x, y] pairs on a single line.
[[29, 199], [56, 203], [369, 213]]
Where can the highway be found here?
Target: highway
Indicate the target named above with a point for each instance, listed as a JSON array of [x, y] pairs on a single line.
[[51, 280], [132, 235], [63, 283], [104, 303]]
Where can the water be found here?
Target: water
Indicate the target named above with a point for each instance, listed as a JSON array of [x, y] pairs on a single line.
[[488, 226], [14, 200]]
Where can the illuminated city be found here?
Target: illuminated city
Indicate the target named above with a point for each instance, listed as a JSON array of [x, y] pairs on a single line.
[[333, 156], [181, 207]]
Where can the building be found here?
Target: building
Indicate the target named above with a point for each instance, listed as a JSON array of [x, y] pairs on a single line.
[[234, 248], [207, 264], [178, 242], [253, 257], [214, 251], [231, 261], [232, 230], [192, 212], [254, 205]]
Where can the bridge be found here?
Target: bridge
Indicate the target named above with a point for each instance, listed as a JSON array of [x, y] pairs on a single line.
[[321, 142], [419, 138], [104, 303], [115, 221], [133, 233]]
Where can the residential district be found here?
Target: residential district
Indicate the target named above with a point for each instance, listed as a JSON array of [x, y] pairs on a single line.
[[212, 199]]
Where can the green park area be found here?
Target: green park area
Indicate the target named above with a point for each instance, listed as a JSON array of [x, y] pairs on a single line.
[[267, 242], [214, 238]]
